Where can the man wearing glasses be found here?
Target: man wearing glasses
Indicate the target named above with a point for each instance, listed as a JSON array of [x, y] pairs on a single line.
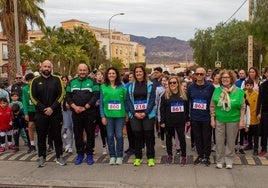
[[18, 85], [199, 96]]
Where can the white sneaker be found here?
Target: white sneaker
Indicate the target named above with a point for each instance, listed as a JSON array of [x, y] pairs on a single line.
[[119, 161], [104, 150], [229, 166], [219, 165], [70, 150], [112, 161]]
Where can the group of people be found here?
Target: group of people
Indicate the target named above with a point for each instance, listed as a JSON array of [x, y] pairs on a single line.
[[217, 106]]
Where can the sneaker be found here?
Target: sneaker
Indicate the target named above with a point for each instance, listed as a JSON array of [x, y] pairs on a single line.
[[255, 152], [130, 151], [61, 161], [49, 149], [219, 166], [198, 161], [90, 160], [178, 151], [112, 161], [119, 161], [169, 159], [262, 153], [248, 147], [70, 150], [207, 161], [241, 151], [2, 149], [31, 149], [41, 162], [64, 135], [12, 147], [229, 166], [79, 159], [151, 162], [16, 149], [104, 150], [137, 162], [183, 161]]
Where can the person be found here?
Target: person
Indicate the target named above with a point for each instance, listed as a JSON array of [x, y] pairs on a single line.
[[174, 115], [82, 93], [4, 93], [242, 76], [67, 139], [159, 92], [29, 111], [262, 112], [18, 123], [252, 98], [113, 113], [141, 108], [46, 93], [130, 136], [18, 85], [253, 74], [227, 109], [99, 77], [5, 125], [157, 76], [199, 95]]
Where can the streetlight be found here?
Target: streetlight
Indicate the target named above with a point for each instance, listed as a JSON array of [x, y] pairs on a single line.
[[110, 34]]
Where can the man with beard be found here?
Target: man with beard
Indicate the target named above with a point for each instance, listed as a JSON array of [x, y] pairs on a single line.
[[47, 92], [18, 85], [82, 94]]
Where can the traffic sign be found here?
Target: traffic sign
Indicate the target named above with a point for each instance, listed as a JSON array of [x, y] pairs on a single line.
[[217, 64]]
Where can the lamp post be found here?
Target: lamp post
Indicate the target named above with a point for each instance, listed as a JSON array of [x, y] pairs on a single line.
[[110, 34]]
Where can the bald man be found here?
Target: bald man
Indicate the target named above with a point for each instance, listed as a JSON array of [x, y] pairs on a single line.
[[82, 94], [47, 92]]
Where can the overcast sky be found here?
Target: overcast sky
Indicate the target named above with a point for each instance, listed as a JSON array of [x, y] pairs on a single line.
[[149, 18]]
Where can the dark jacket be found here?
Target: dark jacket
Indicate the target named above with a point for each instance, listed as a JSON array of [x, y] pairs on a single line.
[[174, 111], [18, 121], [199, 100], [262, 105]]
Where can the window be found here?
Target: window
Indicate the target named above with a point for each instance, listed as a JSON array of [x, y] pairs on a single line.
[[5, 51]]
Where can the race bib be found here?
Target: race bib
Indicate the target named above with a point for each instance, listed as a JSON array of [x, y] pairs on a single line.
[[140, 105], [199, 104], [114, 105], [176, 107]]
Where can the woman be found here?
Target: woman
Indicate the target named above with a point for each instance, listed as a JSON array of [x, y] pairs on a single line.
[[141, 108], [253, 74], [174, 114], [227, 109], [113, 113]]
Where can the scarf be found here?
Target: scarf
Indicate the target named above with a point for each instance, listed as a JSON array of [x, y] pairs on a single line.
[[225, 101]]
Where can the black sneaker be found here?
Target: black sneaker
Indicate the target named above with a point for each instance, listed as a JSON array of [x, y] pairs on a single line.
[[255, 152], [31, 149], [207, 161], [242, 151], [198, 161]]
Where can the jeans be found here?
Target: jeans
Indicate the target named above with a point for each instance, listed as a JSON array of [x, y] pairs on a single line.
[[114, 129]]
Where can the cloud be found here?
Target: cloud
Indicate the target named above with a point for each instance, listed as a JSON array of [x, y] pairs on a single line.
[[150, 18]]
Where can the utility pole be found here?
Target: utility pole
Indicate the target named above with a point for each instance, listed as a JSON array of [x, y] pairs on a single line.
[[250, 37]]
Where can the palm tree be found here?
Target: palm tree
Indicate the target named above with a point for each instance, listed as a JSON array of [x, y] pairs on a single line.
[[28, 13]]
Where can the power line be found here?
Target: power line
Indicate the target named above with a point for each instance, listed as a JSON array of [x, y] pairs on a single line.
[[235, 12]]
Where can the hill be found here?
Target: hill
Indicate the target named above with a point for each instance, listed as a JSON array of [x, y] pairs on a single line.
[[164, 49]]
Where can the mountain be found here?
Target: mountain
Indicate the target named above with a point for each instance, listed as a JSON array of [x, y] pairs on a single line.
[[164, 49]]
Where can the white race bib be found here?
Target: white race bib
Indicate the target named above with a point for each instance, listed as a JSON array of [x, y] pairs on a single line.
[[114, 105], [140, 105], [176, 107], [199, 104]]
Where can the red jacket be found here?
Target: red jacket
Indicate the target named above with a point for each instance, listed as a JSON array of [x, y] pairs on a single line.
[[5, 119]]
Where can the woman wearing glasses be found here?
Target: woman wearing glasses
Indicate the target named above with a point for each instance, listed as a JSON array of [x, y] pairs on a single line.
[[174, 114], [227, 109], [141, 108]]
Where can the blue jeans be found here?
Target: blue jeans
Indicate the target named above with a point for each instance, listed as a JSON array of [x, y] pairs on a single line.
[[114, 128]]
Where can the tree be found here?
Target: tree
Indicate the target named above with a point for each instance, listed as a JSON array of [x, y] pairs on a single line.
[[28, 12]]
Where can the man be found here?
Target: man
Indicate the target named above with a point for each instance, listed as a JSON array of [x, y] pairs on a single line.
[[47, 92], [157, 76], [18, 85], [242, 76], [199, 96], [82, 94]]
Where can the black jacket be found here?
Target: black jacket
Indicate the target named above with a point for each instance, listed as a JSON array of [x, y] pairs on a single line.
[[262, 105]]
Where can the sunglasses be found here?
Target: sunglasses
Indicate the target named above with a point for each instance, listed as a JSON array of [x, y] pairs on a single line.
[[172, 83], [199, 74], [18, 77]]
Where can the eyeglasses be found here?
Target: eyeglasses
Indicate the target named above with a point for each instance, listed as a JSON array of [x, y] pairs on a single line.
[[199, 74], [18, 78], [225, 77], [172, 83]]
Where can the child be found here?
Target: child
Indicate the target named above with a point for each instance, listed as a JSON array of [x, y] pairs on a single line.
[[5, 125], [18, 124], [252, 98]]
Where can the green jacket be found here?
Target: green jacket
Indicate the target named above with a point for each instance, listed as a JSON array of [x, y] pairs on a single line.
[[112, 101], [27, 104]]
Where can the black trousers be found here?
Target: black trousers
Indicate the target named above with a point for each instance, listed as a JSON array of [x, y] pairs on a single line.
[[84, 122], [103, 131], [16, 136], [202, 132], [170, 133], [48, 125], [143, 131], [264, 131], [254, 132], [130, 135]]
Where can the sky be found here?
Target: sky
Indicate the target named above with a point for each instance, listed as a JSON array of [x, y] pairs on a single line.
[[148, 18]]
